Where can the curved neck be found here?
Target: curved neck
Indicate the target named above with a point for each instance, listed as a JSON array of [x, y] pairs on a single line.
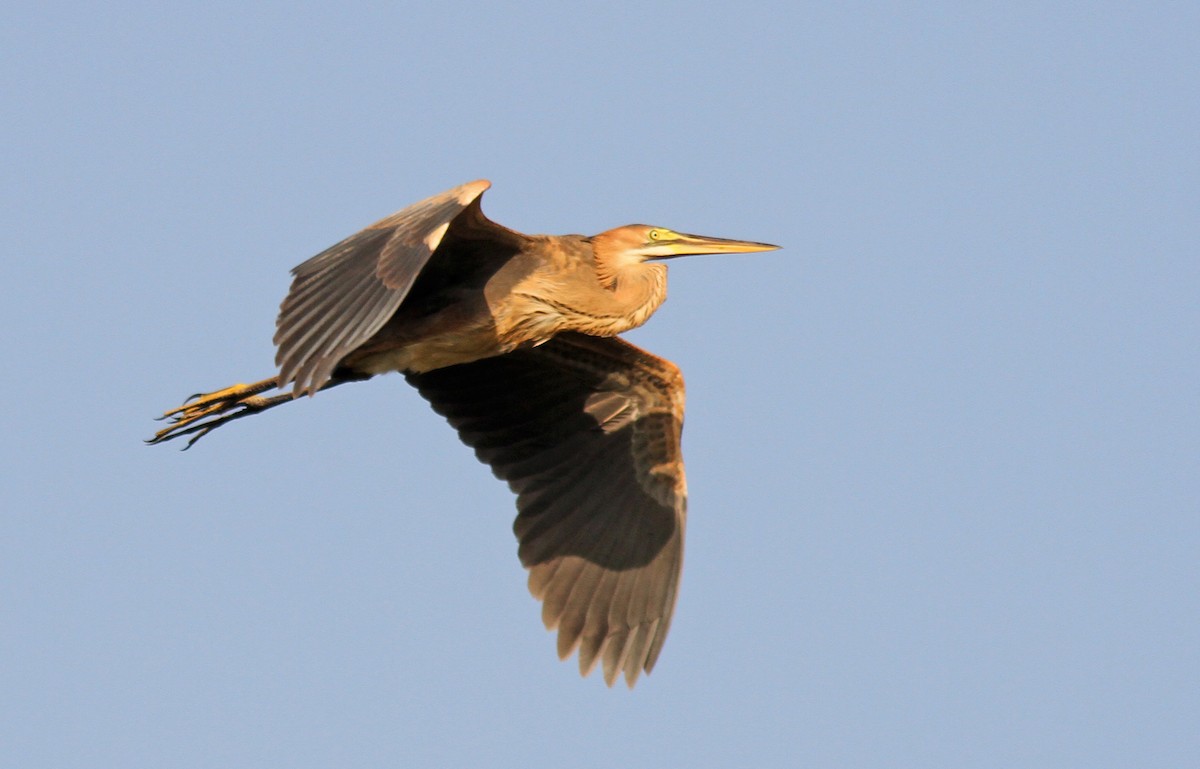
[[638, 290]]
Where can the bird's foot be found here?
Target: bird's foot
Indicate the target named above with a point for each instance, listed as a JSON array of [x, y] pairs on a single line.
[[202, 413]]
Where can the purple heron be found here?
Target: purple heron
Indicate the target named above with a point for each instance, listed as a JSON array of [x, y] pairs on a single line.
[[513, 338]]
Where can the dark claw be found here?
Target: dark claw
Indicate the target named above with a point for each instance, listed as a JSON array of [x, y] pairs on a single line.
[[196, 437]]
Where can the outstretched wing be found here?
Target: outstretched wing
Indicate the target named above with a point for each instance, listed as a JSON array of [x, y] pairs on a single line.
[[344, 294], [586, 431]]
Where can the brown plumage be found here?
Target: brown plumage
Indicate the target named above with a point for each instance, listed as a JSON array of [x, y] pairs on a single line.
[[512, 338]]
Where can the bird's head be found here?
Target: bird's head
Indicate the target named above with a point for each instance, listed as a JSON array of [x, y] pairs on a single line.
[[636, 243]]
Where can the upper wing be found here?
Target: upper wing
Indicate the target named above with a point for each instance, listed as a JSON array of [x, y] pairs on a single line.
[[343, 295], [586, 431]]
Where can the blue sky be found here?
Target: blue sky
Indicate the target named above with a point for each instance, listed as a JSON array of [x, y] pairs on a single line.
[[942, 449]]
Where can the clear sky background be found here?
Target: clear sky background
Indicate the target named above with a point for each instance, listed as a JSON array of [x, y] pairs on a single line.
[[943, 449]]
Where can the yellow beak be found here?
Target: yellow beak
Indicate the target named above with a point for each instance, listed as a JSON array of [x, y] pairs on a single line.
[[689, 245]]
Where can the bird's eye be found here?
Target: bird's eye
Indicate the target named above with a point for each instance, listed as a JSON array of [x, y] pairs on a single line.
[[655, 234]]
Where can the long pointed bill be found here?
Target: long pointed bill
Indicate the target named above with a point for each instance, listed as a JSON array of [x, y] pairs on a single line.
[[690, 245]]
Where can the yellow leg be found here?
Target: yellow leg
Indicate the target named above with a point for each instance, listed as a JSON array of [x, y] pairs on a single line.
[[204, 412], [202, 404]]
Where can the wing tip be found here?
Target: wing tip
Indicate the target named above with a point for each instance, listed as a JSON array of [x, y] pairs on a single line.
[[471, 190]]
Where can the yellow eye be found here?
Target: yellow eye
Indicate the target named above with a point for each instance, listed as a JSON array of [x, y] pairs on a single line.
[[655, 234]]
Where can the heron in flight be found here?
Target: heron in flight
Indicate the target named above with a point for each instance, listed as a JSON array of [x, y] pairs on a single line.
[[513, 338]]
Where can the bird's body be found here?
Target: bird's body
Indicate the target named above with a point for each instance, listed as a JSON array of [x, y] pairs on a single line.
[[482, 308], [512, 338]]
